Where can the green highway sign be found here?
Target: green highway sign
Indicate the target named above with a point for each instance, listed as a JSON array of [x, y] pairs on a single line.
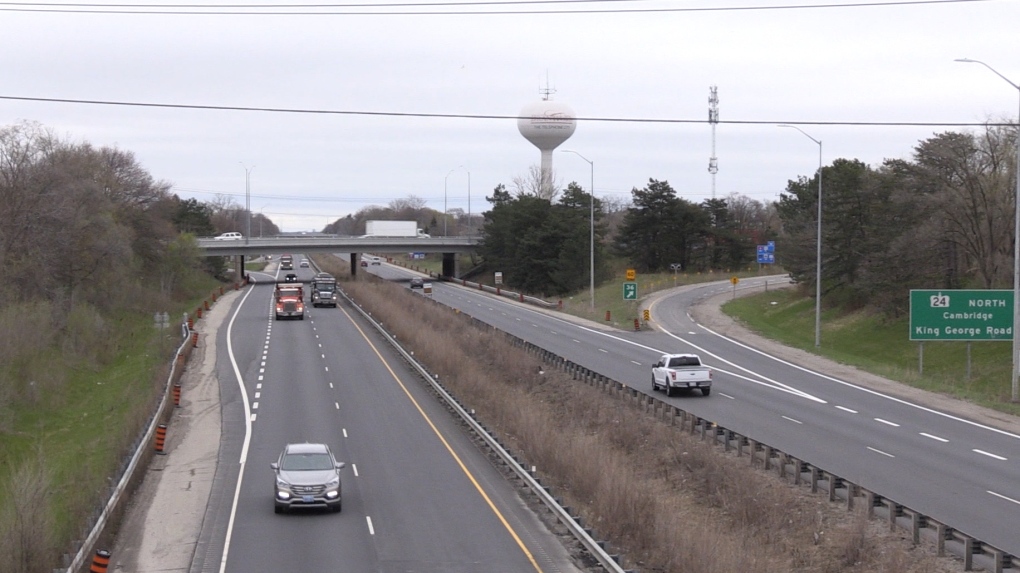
[[969, 315], [629, 291]]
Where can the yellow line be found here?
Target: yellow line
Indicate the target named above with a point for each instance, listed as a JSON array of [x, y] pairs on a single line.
[[449, 448]]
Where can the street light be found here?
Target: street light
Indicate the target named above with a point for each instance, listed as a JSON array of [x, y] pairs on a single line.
[[445, 210], [591, 250], [469, 202], [261, 217], [818, 257], [1016, 243], [247, 198]]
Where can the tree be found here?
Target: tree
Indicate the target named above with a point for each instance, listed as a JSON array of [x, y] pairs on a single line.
[[537, 184], [661, 229]]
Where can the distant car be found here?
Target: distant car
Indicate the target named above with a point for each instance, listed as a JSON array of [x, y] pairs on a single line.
[[417, 282], [307, 475], [304, 263], [377, 261], [290, 278], [232, 236], [364, 263], [323, 276]]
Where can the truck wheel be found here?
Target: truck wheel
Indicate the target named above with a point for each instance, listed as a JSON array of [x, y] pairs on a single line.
[[669, 391], [706, 391], [655, 386]]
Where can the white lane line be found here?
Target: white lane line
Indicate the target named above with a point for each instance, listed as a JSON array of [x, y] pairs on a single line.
[[323, 356], [636, 362], [327, 369], [258, 395], [845, 409], [554, 332], [252, 418], [260, 377], [518, 319], [881, 452], [262, 370], [576, 340], [344, 432], [371, 530], [936, 438], [355, 468], [726, 396], [887, 422], [989, 454], [603, 350], [337, 404], [331, 385], [263, 364], [258, 386], [535, 325], [254, 405], [999, 495], [792, 420]]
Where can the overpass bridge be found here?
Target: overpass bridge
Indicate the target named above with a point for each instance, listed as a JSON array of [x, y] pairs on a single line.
[[450, 247]]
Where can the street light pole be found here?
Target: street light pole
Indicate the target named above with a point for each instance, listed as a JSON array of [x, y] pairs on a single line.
[[1015, 382], [469, 202], [591, 221], [445, 209], [247, 198], [818, 256]]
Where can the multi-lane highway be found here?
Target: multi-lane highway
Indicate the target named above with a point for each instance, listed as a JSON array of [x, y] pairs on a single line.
[[959, 471], [418, 494]]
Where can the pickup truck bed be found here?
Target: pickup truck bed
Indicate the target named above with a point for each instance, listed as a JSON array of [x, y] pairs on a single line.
[[680, 372]]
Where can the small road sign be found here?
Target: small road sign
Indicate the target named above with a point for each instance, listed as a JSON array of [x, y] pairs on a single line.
[[631, 274], [629, 291]]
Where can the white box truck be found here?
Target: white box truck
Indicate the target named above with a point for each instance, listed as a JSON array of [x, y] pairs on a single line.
[[395, 229]]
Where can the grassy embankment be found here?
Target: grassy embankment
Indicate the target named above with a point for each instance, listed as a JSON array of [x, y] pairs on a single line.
[[665, 500], [68, 416], [881, 346]]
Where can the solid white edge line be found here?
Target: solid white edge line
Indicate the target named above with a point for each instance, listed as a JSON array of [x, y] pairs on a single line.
[[247, 431]]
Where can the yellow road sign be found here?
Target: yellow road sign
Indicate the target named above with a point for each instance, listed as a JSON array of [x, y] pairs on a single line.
[[631, 274]]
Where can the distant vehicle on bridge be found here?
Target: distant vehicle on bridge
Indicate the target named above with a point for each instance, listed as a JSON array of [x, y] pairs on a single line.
[[394, 229]]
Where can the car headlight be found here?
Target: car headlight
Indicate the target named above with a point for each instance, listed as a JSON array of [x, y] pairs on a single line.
[[281, 483], [333, 483]]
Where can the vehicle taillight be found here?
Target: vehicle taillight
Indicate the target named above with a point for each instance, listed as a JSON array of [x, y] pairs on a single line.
[[672, 375]]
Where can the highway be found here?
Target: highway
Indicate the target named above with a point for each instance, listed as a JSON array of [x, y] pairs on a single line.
[[418, 494], [959, 471]]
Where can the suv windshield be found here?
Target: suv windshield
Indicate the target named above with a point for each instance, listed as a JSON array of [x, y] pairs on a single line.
[[306, 462], [326, 287]]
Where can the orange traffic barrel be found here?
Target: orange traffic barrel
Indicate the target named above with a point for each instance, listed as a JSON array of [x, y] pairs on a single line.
[[100, 561], [191, 323], [214, 296], [637, 325], [198, 312], [194, 340], [221, 291], [205, 304], [607, 316], [177, 395], [160, 438]]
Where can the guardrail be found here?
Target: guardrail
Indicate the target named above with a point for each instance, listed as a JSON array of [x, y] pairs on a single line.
[[974, 553]]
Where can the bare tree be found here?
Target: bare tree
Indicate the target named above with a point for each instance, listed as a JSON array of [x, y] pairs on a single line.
[[537, 184]]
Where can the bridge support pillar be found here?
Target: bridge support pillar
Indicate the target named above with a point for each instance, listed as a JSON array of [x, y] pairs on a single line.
[[239, 268], [450, 265], [354, 265]]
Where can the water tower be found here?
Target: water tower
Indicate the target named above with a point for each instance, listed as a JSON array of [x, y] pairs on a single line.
[[546, 124]]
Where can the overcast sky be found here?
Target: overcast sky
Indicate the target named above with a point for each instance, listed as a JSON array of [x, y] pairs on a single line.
[[880, 63]]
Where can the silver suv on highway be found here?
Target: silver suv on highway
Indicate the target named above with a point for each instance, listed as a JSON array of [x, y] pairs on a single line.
[[307, 475]]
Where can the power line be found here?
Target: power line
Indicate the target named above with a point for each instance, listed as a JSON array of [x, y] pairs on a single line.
[[332, 9], [502, 117]]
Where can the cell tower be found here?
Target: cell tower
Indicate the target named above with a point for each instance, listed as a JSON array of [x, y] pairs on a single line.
[[713, 119]]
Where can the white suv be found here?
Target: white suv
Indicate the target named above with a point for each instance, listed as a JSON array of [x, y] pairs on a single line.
[[232, 236]]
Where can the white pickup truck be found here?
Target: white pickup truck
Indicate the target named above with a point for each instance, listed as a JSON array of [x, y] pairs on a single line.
[[681, 371]]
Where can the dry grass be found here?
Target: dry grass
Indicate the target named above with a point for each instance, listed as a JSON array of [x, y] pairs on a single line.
[[667, 501]]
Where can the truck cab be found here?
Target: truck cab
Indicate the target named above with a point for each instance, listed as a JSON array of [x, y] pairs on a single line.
[[286, 262], [323, 290], [289, 301]]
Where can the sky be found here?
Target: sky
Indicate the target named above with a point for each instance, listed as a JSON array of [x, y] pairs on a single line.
[[403, 75]]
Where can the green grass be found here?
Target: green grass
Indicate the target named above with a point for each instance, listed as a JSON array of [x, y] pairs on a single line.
[[881, 346], [83, 421]]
